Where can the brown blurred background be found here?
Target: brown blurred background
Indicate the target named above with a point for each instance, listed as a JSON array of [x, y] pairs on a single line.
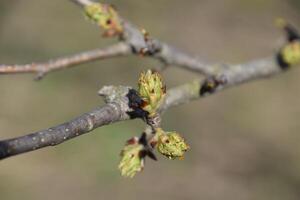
[[244, 141]]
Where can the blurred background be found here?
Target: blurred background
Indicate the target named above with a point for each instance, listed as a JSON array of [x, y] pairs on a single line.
[[244, 141]]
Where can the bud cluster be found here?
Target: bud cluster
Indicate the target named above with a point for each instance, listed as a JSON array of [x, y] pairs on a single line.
[[147, 101]]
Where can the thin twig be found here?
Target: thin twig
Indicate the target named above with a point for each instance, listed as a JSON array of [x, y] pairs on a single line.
[[41, 69]]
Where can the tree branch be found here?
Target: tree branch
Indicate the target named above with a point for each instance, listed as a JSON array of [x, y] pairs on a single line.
[[117, 107], [58, 134], [41, 69]]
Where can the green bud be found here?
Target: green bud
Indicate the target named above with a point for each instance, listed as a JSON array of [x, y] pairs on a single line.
[[152, 90], [105, 16], [291, 53], [131, 160], [171, 144]]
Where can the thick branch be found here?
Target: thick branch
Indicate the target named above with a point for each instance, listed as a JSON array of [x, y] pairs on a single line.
[[42, 69], [58, 134]]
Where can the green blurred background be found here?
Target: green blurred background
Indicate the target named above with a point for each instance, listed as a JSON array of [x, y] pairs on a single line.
[[244, 141]]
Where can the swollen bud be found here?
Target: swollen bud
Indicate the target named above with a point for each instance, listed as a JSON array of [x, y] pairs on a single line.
[[291, 53], [171, 144], [106, 17], [132, 160], [152, 91]]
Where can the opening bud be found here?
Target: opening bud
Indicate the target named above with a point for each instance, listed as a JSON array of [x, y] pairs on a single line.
[[171, 144], [152, 90]]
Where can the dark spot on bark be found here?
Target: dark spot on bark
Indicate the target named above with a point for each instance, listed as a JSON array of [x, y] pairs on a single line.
[[136, 104], [211, 84], [150, 49], [208, 86]]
